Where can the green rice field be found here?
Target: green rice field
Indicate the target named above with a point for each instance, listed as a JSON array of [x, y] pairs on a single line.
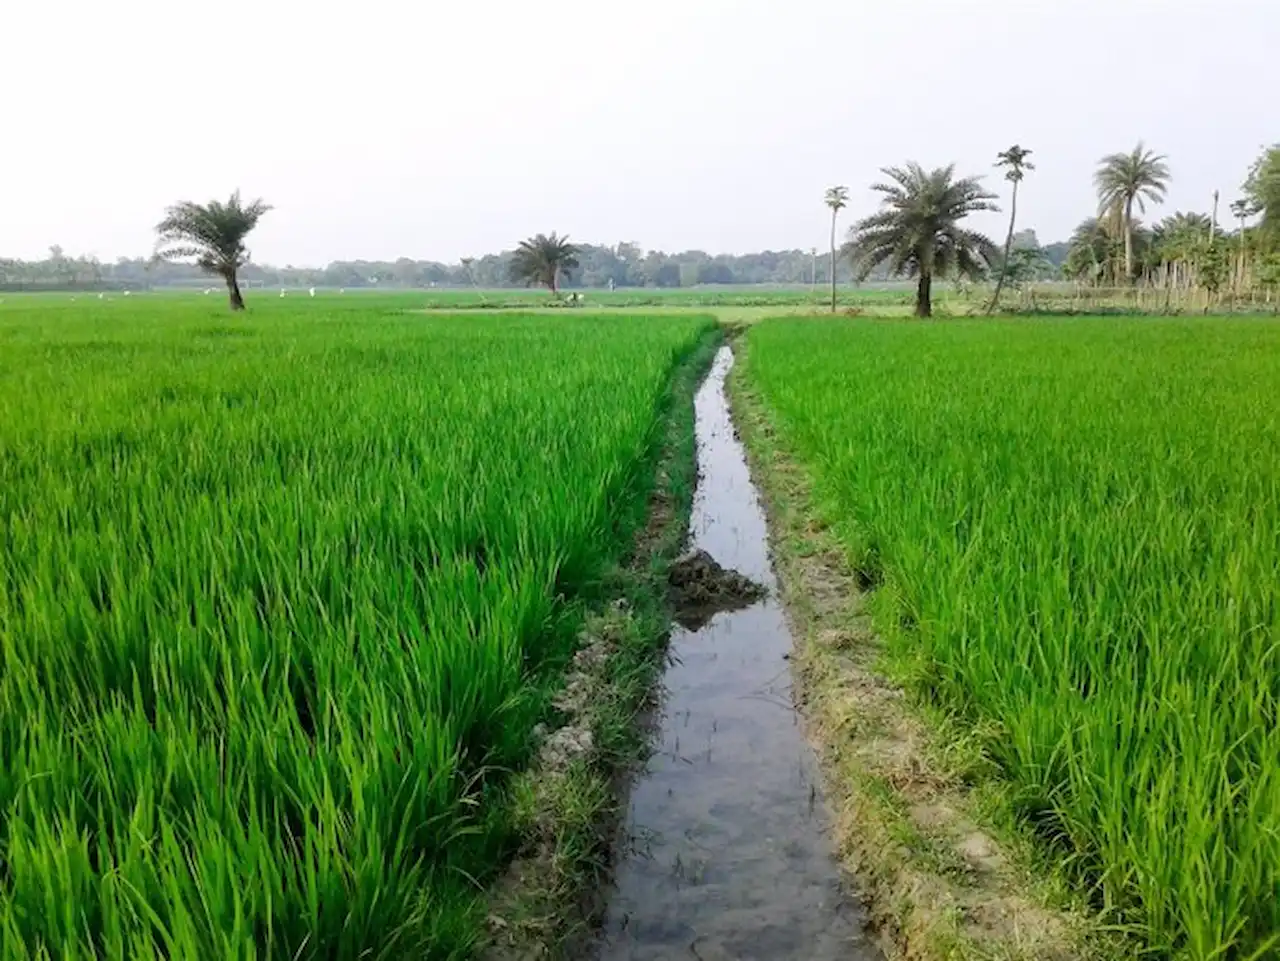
[[1077, 529], [281, 599]]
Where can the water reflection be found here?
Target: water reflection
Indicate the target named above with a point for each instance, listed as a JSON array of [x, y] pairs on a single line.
[[726, 854]]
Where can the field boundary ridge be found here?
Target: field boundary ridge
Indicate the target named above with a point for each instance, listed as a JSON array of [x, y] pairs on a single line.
[[570, 801]]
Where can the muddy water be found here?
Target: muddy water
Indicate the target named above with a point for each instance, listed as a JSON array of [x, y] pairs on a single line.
[[726, 854]]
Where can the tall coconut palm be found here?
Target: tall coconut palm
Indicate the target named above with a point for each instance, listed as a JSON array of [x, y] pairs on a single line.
[[1125, 179], [917, 232], [837, 198], [1015, 164], [541, 260], [213, 234]]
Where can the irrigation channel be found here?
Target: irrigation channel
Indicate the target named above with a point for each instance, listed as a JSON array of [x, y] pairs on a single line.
[[725, 852]]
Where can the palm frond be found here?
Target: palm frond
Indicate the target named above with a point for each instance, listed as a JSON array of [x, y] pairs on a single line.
[[916, 228], [1131, 179], [542, 258], [1015, 162], [213, 234], [837, 198]]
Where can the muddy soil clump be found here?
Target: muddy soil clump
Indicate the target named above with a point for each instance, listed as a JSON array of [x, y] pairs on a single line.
[[700, 588]]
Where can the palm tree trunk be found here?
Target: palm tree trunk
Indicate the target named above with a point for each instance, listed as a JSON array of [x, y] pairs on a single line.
[[233, 291], [551, 283], [1243, 239], [1008, 249], [833, 259], [1128, 240], [924, 294]]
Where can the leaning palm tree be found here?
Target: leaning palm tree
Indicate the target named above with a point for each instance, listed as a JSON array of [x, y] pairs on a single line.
[[1016, 164], [214, 234], [541, 260], [1125, 179], [837, 198], [917, 232]]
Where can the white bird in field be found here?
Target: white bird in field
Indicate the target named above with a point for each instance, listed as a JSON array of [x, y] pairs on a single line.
[[312, 291], [128, 292], [281, 291], [102, 296]]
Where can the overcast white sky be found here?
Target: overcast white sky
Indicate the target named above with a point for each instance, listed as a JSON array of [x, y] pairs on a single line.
[[436, 129]]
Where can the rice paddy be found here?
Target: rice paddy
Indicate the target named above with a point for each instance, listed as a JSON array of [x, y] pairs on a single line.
[[1075, 526], [281, 599]]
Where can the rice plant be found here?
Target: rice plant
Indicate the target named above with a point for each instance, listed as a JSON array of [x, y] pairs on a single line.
[[281, 598], [1078, 524]]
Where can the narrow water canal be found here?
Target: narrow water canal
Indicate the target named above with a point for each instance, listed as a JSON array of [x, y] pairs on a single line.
[[726, 853]]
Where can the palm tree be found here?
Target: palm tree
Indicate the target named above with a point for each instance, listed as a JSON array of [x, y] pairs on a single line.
[[917, 231], [541, 259], [214, 235], [1016, 164], [1125, 179], [1182, 223], [837, 198], [1096, 249], [1180, 244], [1181, 236], [1089, 250]]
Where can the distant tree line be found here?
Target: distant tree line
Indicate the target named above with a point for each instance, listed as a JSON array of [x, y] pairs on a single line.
[[623, 265]]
